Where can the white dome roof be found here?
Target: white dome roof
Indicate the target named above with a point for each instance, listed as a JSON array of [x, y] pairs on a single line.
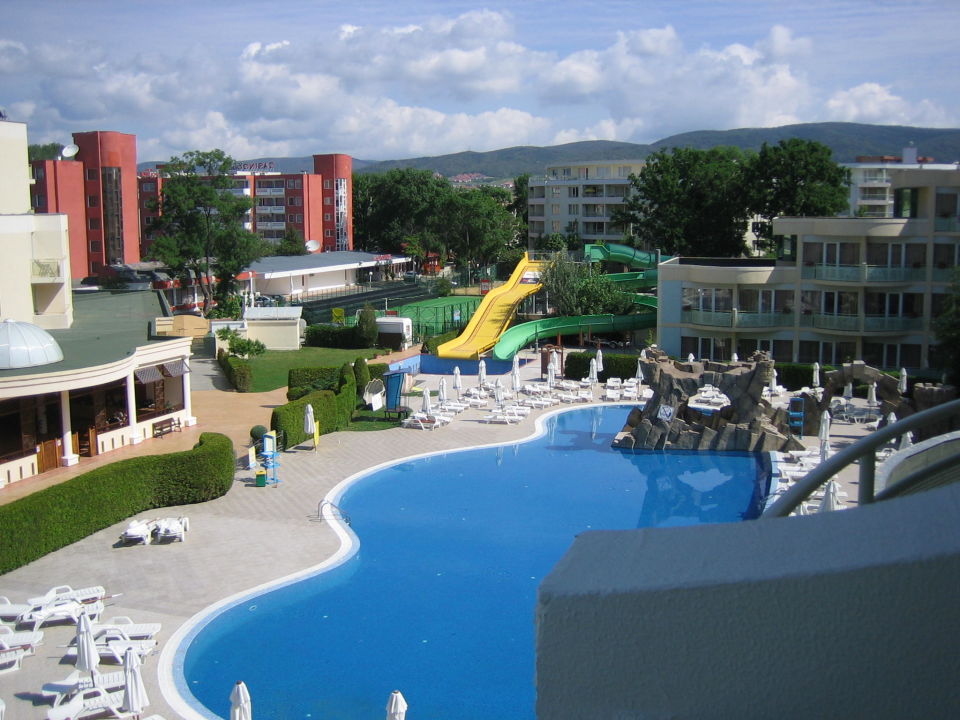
[[23, 344]]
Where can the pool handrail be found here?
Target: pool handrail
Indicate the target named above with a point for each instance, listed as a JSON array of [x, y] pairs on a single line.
[[863, 450]]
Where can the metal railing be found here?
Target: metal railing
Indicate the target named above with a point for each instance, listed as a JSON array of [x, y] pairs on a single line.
[[864, 451], [334, 509]]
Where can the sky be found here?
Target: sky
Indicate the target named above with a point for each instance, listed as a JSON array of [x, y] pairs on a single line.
[[388, 80]]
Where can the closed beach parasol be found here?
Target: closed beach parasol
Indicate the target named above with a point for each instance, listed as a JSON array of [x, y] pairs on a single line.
[[240, 706], [482, 373], [831, 500], [88, 657], [134, 693], [599, 360], [902, 385], [816, 374], [457, 382], [396, 706]]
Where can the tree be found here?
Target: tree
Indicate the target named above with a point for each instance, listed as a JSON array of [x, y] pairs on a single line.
[[474, 226], [291, 243], [367, 330], [240, 346], [521, 204], [579, 289], [200, 226], [795, 178], [946, 327], [398, 204], [47, 151], [689, 202], [555, 242]]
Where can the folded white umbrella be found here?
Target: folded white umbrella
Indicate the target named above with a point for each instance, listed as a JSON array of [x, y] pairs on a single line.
[[457, 382], [824, 433], [134, 693], [639, 374], [816, 374], [690, 358], [396, 706], [831, 501], [824, 450], [872, 394], [516, 362], [515, 378], [88, 657], [308, 421], [551, 376], [593, 371], [599, 360], [735, 358], [902, 385], [498, 393], [442, 391], [427, 405], [906, 440], [643, 354], [481, 373], [848, 391], [240, 706]]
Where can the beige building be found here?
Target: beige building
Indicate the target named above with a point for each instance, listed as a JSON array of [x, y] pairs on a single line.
[[841, 288], [580, 199], [79, 375]]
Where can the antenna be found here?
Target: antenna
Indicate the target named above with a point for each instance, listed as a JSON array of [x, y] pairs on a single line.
[[312, 245], [69, 151]]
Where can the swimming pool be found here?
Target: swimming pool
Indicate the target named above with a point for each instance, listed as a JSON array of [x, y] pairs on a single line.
[[439, 599]]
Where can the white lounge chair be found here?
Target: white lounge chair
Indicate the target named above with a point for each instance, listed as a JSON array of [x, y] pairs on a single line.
[[134, 631], [65, 592], [567, 397], [94, 702], [11, 639], [10, 659], [64, 690], [112, 643], [611, 394], [172, 528], [139, 531], [521, 410], [501, 417], [37, 615]]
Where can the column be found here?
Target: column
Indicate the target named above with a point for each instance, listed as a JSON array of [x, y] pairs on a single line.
[[66, 439], [135, 437], [189, 419]]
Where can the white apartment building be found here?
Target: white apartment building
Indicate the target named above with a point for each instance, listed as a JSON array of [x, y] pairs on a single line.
[[579, 198], [871, 181], [840, 289]]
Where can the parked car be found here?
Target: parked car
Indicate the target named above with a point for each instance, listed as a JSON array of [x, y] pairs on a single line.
[[410, 276]]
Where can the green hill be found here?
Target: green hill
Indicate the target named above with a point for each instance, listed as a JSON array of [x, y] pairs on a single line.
[[847, 140]]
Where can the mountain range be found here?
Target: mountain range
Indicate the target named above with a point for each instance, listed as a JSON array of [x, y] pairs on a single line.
[[847, 140]]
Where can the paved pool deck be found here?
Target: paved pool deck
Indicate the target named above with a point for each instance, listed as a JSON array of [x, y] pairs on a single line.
[[246, 538]]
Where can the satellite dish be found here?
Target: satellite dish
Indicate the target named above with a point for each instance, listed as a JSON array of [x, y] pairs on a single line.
[[312, 245], [69, 150]]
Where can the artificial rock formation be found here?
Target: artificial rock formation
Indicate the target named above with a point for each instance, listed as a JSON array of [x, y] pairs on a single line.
[[749, 423]]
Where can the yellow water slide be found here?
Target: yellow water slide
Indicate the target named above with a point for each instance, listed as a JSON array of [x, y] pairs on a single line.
[[495, 313]]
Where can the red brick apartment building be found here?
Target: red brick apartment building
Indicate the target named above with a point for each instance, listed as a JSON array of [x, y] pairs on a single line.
[[97, 190]]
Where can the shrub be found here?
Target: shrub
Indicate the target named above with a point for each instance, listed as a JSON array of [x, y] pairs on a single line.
[[577, 365], [361, 374], [377, 370], [239, 373], [53, 518], [346, 396], [367, 331], [432, 343], [319, 378], [443, 287], [295, 393], [794, 376], [257, 432]]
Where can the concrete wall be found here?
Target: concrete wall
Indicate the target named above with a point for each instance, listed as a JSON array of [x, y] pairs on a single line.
[[850, 614]]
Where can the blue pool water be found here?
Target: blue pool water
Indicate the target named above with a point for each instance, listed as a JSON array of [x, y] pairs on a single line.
[[439, 600]]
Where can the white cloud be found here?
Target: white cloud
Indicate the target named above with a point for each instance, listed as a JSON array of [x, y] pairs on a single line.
[[875, 103]]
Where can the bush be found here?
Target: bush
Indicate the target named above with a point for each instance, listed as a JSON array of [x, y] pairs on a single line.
[[577, 365], [53, 518], [288, 418], [295, 393], [443, 287], [346, 396], [432, 343], [361, 374], [377, 370], [367, 331], [257, 432], [794, 376], [318, 378], [239, 373], [333, 336]]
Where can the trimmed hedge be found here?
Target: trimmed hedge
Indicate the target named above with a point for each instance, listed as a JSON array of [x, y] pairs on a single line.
[[53, 518], [576, 365], [333, 336], [378, 370], [346, 396], [361, 374], [236, 369], [794, 376]]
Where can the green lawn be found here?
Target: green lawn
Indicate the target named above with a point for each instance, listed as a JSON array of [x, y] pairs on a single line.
[[270, 369]]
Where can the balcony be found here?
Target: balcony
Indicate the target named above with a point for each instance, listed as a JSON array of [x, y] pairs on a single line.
[[44, 271], [271, 209], [763, 319], [946, 224], [269, 225], [880, 323], [862, 273], [241, 192], [713, 318], [270, 192], [822, 321]]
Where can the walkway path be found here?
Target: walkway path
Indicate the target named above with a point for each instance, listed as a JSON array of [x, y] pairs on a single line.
[[246, 538]]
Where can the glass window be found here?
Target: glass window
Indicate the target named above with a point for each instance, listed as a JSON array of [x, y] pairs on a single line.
[[94, 223], [93, 201], [809, 351], [905, 202], [916, 255], [554, 209], [91, 173], [688, 346], [555, 191], [783, 350], [573, 209], [812, 253], [328, 201], [573, 192]]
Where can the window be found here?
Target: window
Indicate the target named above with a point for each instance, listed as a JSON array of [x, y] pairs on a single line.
[[328, 233], [623, 171], [905, 202], [149, 187], [555, 226], [94, 223], [95, 246], [296, 200], [91, 173], [327, 185], [93, 201], [328, 201], [39, 200], [38, 173], [573, 192], [555, 209], [555, 191], [573, 209], [326, 217]]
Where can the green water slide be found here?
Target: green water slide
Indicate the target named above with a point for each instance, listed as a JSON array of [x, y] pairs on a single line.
[[623, 254], [521, 335]]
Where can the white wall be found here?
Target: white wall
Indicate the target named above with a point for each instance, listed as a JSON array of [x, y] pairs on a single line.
[[841, 615]]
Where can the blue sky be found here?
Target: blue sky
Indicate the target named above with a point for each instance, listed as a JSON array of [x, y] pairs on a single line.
[[381, 80]]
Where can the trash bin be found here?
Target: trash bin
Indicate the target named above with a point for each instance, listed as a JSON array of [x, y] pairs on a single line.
[[261, 477]]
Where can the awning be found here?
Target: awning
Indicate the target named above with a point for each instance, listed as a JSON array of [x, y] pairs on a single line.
[[147, 375], [175, 368]]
